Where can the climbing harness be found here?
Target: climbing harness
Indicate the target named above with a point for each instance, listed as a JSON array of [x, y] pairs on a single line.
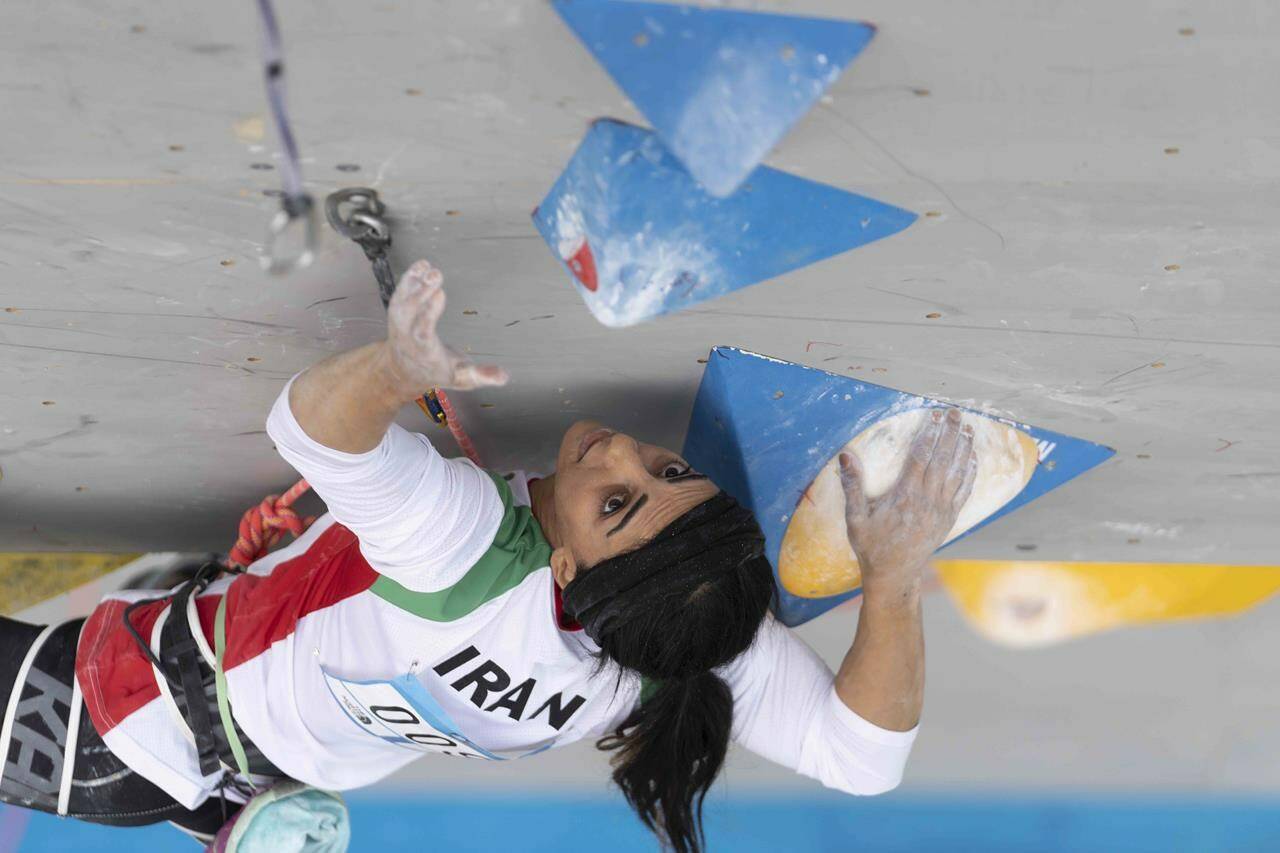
[[296, 206], [181, 662]]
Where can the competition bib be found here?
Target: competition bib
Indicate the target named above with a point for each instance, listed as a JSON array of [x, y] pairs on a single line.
[[402, 712]]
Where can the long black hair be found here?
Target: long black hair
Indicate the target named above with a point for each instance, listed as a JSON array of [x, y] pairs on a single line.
[[685, 620]]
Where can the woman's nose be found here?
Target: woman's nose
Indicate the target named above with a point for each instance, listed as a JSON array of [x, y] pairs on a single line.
[[622, 448]]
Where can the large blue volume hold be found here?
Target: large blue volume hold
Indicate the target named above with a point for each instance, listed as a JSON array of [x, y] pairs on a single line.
[[720, 87], [765, 449], [642, 238]]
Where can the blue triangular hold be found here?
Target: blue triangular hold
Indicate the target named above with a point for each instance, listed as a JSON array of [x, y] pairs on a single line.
[[720, 87], [642, 238], [765, 448]]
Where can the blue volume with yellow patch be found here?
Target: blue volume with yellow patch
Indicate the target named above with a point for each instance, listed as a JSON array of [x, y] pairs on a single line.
[[765, 449]]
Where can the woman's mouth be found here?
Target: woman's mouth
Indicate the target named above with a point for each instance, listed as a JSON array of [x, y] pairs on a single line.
[[591, 439]]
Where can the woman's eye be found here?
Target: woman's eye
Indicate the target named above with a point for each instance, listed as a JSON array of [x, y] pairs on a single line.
[[613, 504], [675, 469]]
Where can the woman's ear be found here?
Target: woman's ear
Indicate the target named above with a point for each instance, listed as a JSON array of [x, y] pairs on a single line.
[[563, 567]]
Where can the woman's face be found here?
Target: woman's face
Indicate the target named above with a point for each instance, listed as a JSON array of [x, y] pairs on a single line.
[[613, 494]]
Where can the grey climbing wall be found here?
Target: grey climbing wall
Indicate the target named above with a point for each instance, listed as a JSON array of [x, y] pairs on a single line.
[[1093, 254]]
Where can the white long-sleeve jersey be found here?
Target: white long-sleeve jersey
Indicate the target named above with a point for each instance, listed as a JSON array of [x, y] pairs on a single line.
[[420, 616]]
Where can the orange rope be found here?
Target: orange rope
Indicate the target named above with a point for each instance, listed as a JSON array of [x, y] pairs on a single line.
[[262, 526], [459, 434]]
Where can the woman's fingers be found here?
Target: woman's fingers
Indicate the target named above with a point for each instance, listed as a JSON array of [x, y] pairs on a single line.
[[966, 478], [418, 302], [420, 273], [418, 281], [855, 498], [936, 475], [921, 450], [468, 376], [430, 309]]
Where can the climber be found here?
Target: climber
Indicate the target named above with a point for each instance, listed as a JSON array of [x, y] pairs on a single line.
[[438, 607]]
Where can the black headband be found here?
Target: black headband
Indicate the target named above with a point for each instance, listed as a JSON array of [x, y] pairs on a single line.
[[716, 536]]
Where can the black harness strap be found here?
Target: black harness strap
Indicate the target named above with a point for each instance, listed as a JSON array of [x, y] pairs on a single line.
[[184, 654], [180, 656]]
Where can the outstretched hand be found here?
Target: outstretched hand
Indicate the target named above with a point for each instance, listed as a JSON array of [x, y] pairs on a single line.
[[419, 360], [895, 534]]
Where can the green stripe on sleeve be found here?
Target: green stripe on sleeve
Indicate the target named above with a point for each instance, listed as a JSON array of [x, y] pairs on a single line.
[[519, 549]]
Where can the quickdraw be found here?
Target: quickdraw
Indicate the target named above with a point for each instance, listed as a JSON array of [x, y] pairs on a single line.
[[359, 215], [296, 206]]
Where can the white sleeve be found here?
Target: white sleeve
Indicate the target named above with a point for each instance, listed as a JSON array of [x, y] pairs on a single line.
[[422, 520], [785, 708]]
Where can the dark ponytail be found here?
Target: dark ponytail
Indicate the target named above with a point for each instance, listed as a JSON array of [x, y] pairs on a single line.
[[669, 751], [688, 601]]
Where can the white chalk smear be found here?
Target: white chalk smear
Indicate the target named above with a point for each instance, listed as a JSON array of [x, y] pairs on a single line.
[[1137, 528], [638, 272]]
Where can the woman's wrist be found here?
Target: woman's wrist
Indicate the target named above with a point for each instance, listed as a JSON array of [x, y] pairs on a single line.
[[897, 590], [391, 378]]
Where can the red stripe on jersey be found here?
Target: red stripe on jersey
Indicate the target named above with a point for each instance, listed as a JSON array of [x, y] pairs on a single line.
[[115, 675], [264, 609]]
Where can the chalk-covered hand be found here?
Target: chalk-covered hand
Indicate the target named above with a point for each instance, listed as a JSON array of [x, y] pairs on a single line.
[[894, 535], [418, 359]]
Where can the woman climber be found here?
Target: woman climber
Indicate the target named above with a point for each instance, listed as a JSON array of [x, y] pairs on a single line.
[[438, 607]]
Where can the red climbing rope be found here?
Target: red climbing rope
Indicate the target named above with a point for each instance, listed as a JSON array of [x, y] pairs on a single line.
[[262, 526], [459, 434]]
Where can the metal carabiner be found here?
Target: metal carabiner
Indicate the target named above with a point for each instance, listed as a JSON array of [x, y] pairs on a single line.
[[300, 209], [376, 228], [366, 210]]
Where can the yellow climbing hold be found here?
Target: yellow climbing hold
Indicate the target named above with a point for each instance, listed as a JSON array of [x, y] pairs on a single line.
[[1029, 603], [27, 578]]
